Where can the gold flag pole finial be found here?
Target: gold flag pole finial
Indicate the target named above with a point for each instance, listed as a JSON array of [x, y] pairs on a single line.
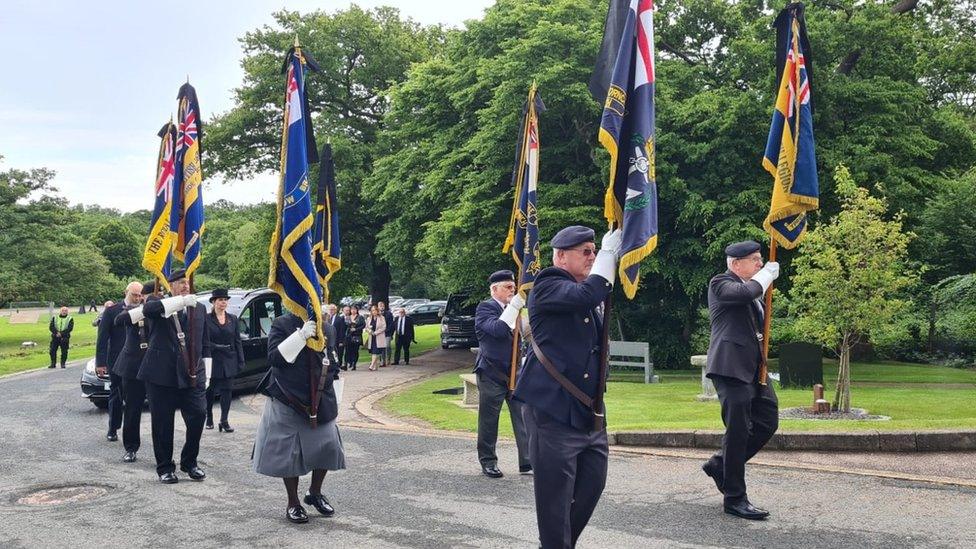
[[297, 45]]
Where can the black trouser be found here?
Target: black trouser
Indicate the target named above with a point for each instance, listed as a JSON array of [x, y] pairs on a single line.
[[59, 343], [352, 354], [388, 352], [750, 412], [570, 468], [405, 345], [114, 403], [134, 391], [219, 387], [163, 402], [491, 395]]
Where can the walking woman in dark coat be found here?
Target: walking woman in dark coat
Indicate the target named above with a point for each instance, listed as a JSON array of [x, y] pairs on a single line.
[[354, 337], [288, 444], [228, 357]]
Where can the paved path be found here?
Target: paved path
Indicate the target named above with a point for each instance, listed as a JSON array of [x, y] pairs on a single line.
[[407, 489]]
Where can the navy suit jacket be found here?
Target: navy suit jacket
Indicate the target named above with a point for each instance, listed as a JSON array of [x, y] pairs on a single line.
[[111, 338], [733, 349], [494, 341], [128, 361], [164, 363], [567, 328], [296, 377], [339, 325]]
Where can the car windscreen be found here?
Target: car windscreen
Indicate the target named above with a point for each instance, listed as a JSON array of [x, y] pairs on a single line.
[[460, 305]]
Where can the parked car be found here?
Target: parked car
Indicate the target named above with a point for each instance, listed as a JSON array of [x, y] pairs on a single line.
[[255, 309], [457, 324], [410, 303], [427, 313]]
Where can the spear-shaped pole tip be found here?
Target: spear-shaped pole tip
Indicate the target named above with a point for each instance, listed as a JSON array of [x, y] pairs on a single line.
[[296, 42]]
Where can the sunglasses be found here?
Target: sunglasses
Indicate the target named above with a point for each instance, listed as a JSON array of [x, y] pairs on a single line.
[[587, 252]]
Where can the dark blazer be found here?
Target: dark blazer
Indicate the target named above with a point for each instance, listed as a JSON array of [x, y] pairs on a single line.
[[111, 338], [355, 329], [408, 331], [494, 341], [129, 359], [735, 316], [225, 346], [164, 363], [338, 323], [295, 377], [66, 333], [567, 327], [388, 317]]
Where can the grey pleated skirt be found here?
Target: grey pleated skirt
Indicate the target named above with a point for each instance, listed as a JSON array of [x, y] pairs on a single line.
[[287, 446]]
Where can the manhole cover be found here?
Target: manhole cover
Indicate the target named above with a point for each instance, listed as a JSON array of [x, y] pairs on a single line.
[[63, 494]]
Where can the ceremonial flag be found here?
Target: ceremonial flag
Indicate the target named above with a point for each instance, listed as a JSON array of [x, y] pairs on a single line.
[[292, 274], [790, 156], [627, 127], [327, 252], [523, 229], [158, 252], [189, 180]]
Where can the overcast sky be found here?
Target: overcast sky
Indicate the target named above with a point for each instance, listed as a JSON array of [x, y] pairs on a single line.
[[86, 85]]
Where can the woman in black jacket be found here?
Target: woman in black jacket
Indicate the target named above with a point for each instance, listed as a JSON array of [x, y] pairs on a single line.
[[354, 337], [228, 357]]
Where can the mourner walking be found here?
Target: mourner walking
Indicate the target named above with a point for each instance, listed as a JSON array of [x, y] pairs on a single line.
[[750, 409], [559, 381], [404, 335], [109, 343], [298, 433], [174, 371], [227, 358], [494, 321], [60, 327], [127, 367], [338, 323]]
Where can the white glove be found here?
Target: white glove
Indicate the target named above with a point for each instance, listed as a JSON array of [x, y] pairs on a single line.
[[190, 300], [308, 329], [173, 305], [135, 314], [605, 265], [517, 301], [292, 345], [767, 275], [510, 314], [612, 241], [208, 368]]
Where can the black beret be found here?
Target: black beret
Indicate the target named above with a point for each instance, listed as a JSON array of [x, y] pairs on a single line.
[[501, 276], [176, 275], [149, 287], [572, 236], [742, 249], [219, 293]]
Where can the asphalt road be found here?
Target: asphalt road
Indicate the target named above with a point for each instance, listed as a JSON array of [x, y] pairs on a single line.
[[409, 490]]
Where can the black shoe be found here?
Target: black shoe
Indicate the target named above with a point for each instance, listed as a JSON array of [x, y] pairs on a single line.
[[715, 474], [168, 478], [62, 366], [491, 471], [344, 368], [525, 469], [111, 436], [209, 424], [225, 427], [129, 457], [51, 366], [321, 504], [297, 515], [195, 473], [746, 510]]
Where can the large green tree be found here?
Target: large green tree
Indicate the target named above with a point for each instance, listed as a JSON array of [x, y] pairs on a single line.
[[121, 248]]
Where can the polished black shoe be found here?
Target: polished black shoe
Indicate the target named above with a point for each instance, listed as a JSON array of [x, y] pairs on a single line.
[[129, 457], [715, 474], [208, 424], [525, 469], [746, 510], [225, 427], [112, 437], [297, 515], [51, 366], [168, 478], [491, 471], [195, 473], [321, 504]]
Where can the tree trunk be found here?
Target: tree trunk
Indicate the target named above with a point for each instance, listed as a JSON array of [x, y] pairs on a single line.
[[379, 283], [933, 317], [842, 396]]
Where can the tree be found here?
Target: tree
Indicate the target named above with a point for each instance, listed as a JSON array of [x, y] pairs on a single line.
[[850, 275], [121, 248]]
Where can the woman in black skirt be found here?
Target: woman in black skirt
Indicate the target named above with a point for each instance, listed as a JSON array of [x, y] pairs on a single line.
[[228, 357], [287, 446], [354, 337]]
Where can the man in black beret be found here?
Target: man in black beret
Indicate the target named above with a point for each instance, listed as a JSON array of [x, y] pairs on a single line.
[[559, 382], [494, 321], [750, 409]]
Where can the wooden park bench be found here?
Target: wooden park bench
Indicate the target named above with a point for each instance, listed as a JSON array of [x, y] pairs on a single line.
[[633, 354]]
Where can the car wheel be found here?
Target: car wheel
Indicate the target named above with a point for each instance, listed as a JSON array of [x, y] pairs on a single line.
[[445, 346], [101, 403]]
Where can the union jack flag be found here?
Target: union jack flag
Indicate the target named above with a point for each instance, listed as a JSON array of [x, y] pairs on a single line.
[[158, 252]]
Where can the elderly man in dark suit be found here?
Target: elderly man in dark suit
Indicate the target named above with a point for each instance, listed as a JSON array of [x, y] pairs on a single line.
[[338, 323], [404, 335], [108, 346], [750, 409], [559, 381], [494, 321]]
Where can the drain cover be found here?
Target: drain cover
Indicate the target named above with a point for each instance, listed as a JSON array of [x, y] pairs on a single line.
[[60, 495]]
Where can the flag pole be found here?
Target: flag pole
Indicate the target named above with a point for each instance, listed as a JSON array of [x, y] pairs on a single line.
[[599, 410], [767, 317], [515, 340]]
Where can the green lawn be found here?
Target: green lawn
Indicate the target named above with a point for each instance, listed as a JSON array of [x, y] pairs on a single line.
[[671, 404], [14, 359], [428, 337]]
